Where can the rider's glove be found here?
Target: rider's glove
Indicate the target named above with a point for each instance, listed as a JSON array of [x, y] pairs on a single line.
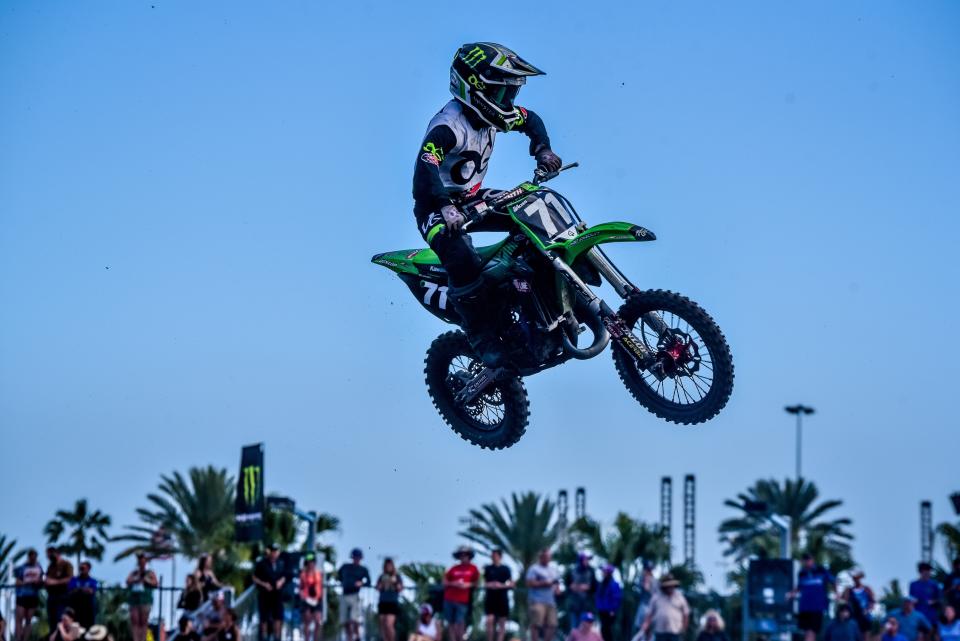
[[453, 217], [548, 161]]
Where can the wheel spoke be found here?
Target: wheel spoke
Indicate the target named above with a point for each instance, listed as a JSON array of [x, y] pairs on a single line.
[[700, 377]]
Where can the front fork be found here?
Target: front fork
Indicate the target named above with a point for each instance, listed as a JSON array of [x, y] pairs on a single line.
[[618, 330]]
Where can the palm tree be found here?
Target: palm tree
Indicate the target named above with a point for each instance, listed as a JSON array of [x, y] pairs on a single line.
[[950, 532], [8, 557], [83, 530], [626, 545], [282, 527], [750, 533], [521, 527], [326, 522], [422, 575], [197, 512]]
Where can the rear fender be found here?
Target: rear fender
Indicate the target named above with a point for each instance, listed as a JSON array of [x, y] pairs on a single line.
[[432, 293], [604, 233]]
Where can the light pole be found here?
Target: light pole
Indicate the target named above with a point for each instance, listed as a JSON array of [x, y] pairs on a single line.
[[799, 411]]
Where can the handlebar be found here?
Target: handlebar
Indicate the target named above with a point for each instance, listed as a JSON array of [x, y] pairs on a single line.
[[482, 207], [540, 176]]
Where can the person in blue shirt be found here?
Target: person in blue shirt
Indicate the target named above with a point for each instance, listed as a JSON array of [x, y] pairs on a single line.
[[891, 630], [609, 596], [948, 629], [814, 583], [927, 592], [82, 595], [843, 627], [912, 625]]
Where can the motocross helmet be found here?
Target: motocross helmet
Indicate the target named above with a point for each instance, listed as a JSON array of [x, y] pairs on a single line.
[[486, 77]]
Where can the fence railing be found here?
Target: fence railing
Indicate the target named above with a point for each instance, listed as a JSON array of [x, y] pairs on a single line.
[[112, 611]]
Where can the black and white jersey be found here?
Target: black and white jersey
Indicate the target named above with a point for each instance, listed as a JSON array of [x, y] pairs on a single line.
[[455, 153]]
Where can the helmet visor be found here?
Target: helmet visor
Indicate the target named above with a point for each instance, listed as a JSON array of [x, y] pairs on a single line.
[[502, 95]]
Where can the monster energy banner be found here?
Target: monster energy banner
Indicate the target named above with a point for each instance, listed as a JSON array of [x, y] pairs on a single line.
[[249, 511]]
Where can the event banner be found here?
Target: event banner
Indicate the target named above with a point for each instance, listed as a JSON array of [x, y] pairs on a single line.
[[250, 495]]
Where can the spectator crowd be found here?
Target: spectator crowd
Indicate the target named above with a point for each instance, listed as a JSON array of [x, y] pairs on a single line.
[[584, 603]]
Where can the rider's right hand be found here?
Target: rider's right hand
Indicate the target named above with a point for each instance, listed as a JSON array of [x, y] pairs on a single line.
[[452, 217]]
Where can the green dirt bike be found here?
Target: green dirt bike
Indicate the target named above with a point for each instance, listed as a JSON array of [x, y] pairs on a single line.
[[668, 351]]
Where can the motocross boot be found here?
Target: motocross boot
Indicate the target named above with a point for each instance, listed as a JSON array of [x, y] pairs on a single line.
[[473, 304]]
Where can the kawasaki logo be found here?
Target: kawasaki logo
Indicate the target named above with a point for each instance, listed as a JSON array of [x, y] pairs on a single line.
[[251, 483], [474, 57]]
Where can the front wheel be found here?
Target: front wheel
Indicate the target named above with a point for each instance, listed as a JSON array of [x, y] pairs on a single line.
[[691, 378], [497, 418]]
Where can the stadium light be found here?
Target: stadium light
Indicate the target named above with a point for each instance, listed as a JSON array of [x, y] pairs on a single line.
[[799, 411]]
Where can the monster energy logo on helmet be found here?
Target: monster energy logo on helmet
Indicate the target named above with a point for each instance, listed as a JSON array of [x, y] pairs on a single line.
[[486, 76], [474, 56]]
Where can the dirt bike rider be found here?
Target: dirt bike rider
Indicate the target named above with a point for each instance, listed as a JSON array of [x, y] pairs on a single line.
[[484, 80]]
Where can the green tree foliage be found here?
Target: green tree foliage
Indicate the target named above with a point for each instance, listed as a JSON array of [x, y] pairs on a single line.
[[521, 527], [811, 527], [81, 532], [8, 557], [196, 511], [949, 533], [625, 545]]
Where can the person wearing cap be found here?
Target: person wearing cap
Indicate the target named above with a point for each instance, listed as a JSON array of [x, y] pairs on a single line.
[[311, 595], [609, 596], [712, 627], [581, 583], [458, 584], [669, 613], [59, 573], [352, 576], [843, 627], [497, 584], [543, 583], [213, 616], [269, 576], [140, 585], [861, 601], [911, 624], [82, 595], [927, 592], [813, 585], [585, 630], [428, 627]]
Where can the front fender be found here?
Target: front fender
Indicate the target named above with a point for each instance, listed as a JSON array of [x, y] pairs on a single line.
[[604, 233]]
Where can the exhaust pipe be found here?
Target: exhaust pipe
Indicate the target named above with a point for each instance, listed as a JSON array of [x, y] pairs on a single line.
[[600, 336]]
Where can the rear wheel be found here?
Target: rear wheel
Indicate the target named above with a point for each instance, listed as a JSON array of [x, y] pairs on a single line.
[[692, 378], [497, 418]]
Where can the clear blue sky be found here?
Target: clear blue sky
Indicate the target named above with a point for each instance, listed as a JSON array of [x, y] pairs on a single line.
[[190, 194]]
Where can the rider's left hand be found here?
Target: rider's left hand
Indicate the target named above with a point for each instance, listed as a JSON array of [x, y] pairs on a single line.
[[548, 161]]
